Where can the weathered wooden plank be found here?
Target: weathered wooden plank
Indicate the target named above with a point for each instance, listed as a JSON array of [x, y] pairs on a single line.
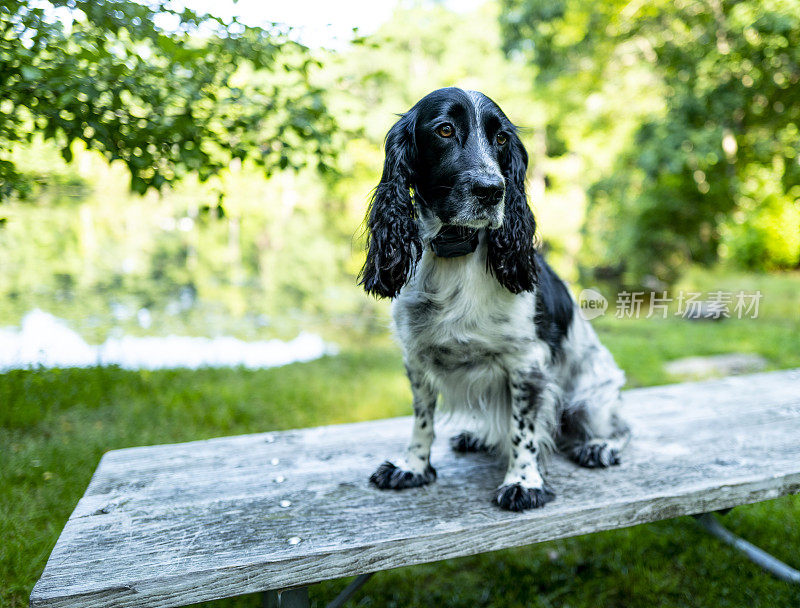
[[177, 524]]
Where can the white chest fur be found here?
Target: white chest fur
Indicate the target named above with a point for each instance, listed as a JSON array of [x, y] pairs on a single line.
[[456, 302], [463, 331]]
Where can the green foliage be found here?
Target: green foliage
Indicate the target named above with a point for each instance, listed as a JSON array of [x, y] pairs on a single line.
[[166, 91], [728, 73], [759, 235]]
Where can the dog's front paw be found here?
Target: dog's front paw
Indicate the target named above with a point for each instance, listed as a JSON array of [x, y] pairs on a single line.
[[388, 476], [595, 455], [516, 497]]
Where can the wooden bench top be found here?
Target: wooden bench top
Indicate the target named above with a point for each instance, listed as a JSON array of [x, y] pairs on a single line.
[[171, 525]]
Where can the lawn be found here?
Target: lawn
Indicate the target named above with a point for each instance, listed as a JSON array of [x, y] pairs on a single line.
[[55, 425]]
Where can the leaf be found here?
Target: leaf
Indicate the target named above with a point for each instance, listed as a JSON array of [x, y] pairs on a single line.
[[30, 72]]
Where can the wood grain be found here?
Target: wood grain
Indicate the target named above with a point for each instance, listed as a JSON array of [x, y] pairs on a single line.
[[172, 525]]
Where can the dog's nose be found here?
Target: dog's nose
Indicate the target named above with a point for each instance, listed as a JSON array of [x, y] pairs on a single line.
[[488, 190]]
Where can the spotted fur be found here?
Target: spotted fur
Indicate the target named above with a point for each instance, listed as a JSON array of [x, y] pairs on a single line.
[[493, 337]]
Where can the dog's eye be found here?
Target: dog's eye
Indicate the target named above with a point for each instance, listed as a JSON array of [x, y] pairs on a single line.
[[445, 130], [501, 138]]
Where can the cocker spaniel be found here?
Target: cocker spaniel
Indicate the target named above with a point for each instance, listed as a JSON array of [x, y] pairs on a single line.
[[482, 319]]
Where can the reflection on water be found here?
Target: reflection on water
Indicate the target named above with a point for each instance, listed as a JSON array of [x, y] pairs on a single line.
[[269, 260], [45, 340]]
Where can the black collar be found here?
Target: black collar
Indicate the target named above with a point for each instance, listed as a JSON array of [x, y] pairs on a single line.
[[455, 241]]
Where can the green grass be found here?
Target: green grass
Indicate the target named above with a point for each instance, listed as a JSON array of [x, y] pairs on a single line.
[[641, 346], [55, 425]]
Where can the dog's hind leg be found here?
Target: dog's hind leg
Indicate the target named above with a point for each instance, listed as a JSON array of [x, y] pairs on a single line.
[[592, 433], [468, 442], [416, 470], [593, 436]]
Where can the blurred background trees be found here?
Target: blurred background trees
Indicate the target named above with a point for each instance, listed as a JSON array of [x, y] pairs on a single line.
[[710, 171], [662, 135]]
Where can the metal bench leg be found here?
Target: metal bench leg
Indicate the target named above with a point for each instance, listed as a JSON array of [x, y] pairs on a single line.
[[298, 598], [769, 562], [269, 599], [348, 591], [291, 598], [295, 598]]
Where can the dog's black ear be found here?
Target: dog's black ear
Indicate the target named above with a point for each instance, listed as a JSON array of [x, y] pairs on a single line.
[[511, 248], [393, 241]]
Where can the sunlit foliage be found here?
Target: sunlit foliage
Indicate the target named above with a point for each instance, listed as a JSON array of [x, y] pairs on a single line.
[[712, 173], [167, 91]]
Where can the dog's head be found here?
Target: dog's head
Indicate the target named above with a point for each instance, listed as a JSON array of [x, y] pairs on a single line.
[[454, 159]]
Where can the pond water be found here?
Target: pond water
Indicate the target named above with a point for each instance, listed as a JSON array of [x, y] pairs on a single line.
[[44, 340], [181, 278]]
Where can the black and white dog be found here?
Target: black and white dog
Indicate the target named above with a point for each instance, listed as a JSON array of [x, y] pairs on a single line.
[[482, 319]]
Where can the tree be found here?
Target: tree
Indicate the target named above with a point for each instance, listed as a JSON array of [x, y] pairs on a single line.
[[718, 160], [166, 91]]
